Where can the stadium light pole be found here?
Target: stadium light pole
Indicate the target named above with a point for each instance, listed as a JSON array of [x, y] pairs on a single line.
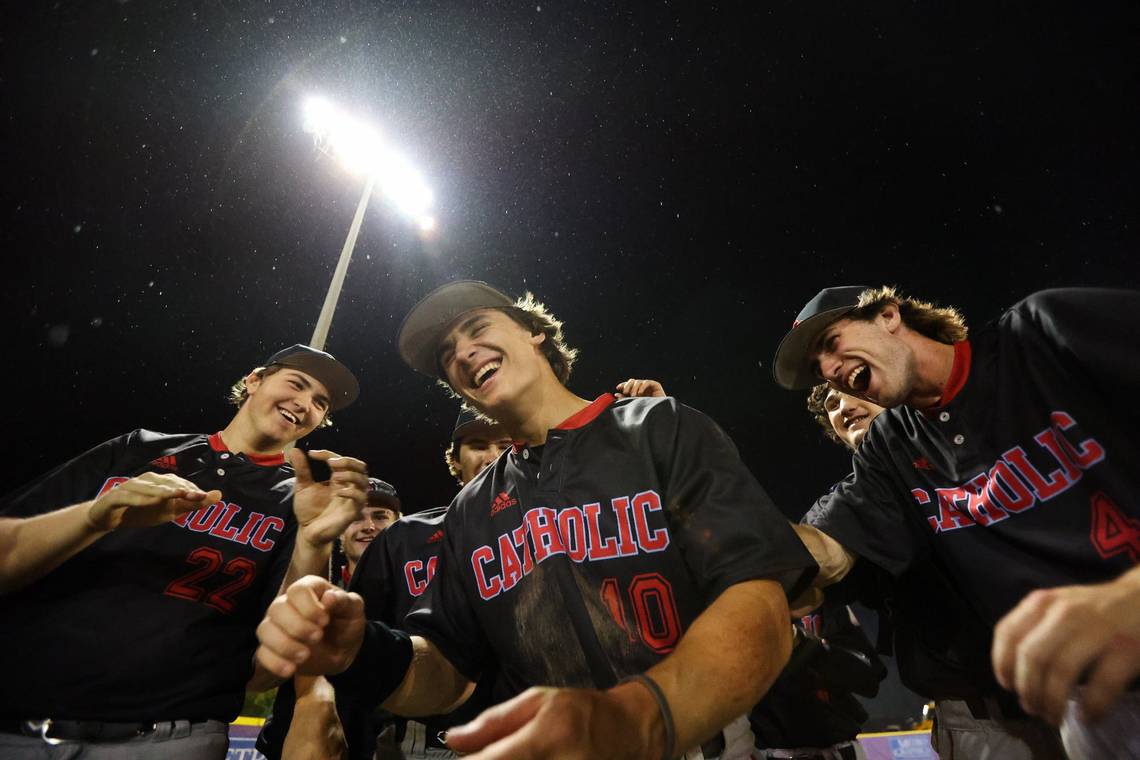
[[360, 150]]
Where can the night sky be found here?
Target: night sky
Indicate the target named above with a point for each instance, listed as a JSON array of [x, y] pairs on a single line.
[[674, 182]]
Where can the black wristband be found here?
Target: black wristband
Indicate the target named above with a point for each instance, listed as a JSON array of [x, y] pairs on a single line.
[[663, 706], [379, 667]]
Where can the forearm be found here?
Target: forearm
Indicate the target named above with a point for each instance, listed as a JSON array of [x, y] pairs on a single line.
[[32, 547], [262, 679], [307, 559], [740, 644], [316, 728], [431, 685], [834, 561]]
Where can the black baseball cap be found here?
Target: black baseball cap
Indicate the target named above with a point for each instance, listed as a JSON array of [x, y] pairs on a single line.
[[426, 323], [384, 493], [467, 421], [340, 382], [792, 367]]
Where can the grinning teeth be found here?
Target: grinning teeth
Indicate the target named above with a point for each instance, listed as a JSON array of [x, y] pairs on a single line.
[[485, 370], [855, 375], [288, 416]]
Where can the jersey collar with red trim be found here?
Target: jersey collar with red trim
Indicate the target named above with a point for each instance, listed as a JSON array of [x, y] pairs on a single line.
[[580, 418], [959, 373], [263, 460]]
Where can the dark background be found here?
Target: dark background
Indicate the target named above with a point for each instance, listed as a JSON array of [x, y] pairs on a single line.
[[674, 181]]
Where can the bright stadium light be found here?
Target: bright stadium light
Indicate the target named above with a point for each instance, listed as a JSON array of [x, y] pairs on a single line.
[[360, 149]]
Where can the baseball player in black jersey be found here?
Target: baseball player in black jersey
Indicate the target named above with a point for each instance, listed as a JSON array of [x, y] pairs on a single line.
[[397, 571], [135, 574], [304, 716], [620, 555], [949, 664], [394, 571], [1012, 458]]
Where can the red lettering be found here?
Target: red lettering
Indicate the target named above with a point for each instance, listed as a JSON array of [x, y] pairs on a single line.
[[205, 518], [1045, 489], [599, 549], [251, 524], [488, 588], [982, 507], [1089, 453], [626, 546], [1047, 439], [259, 540], [544, 533], [111, 483], [1008, 490], [644, 503], [950, 515], [512, 566], [519, 536], [222, 528], [415, 585], [572, 526]]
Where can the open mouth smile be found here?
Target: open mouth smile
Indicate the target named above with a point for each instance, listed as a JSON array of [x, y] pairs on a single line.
[[289, 416], [859, 378], [485, 373]]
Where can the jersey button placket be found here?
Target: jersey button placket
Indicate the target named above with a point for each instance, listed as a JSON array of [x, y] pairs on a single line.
[[220, 471], [944, 416], [959, 439]]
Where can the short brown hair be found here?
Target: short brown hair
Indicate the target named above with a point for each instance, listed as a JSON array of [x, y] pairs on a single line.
[[451, 459], [239, 393], [944, 324], [816, 399], [534, 317]]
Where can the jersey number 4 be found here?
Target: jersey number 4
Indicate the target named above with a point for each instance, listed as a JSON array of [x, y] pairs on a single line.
[[1113, 532], [654, 610], [207, 562]]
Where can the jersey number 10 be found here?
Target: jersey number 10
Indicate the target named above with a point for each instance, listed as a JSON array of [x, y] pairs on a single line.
[[654, 610]]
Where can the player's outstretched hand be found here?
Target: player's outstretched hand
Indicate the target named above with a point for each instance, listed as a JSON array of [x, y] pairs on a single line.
[[148, 499], [633, 388], [562, 723], [325, 509], [314, 628], [1057, 636]]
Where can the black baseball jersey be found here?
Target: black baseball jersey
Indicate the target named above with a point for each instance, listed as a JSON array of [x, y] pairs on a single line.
[[585, 560], [149, 623], [393, 573], [1026, 477], [396, 568]]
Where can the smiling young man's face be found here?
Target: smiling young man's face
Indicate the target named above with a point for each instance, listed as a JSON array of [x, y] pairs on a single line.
[[849, 416], [867, 359], [374, 520], [489, 359], [285, 405]]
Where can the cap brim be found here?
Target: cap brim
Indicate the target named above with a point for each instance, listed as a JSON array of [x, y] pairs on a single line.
[[337, 379], [384, 499], [428, 321], [792, 367], [465, 429]]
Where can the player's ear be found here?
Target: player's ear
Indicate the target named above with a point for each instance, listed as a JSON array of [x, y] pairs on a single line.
[[890, 318], [537, 338], [253, 380]]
